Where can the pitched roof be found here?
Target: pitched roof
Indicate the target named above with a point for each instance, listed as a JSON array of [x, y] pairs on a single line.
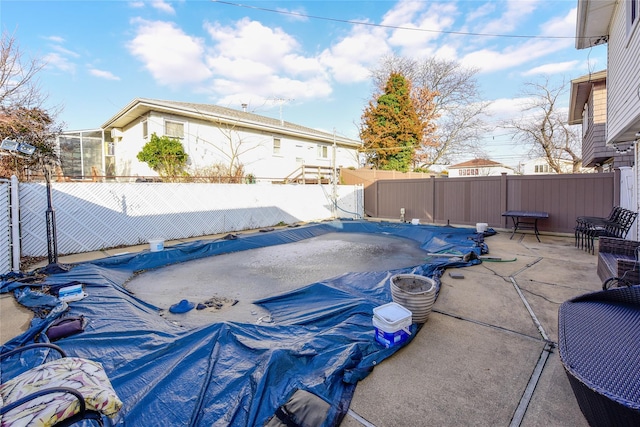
[[580, 91], [593, 22], [141, 106], [477, 163]]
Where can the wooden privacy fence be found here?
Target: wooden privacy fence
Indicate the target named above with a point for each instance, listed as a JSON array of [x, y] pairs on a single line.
[[467, 201]]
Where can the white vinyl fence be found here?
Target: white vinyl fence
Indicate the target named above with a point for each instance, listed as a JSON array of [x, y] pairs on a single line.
[[628, 196], [94, 216], [5, 226]]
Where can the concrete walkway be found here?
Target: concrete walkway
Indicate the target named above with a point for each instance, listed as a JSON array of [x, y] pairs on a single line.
[[485, 357]]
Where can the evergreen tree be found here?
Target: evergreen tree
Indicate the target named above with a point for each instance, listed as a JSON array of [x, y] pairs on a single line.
[[391, 129]]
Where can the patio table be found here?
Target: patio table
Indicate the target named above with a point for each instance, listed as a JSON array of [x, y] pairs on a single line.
[[525, 220]]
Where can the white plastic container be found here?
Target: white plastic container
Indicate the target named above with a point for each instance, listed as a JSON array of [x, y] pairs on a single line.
[[481, 227], [415, 221], [71, 293], [391, 322], [156, 245]]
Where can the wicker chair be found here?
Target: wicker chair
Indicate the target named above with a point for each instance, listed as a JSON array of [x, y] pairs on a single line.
[[618, 259], [599, 347]]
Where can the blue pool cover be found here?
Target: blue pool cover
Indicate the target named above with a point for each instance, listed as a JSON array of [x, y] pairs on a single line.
[[231, 374]]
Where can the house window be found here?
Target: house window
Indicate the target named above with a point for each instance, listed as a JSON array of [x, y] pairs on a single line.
[[173, 129], [276, 146], [323, 151], [586, 112], [542, 168], [469, 172], [145, 129]]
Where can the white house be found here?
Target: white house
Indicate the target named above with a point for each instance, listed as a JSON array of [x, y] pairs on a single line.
[[617, 23], [540, 166], [268, 149], [478, 167]]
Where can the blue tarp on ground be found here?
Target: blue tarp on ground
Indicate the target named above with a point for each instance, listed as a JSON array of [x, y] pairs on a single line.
[[231, 374]]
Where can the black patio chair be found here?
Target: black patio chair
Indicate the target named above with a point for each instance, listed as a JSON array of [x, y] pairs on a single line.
[[583, 223], [60, 392], [618, 228]]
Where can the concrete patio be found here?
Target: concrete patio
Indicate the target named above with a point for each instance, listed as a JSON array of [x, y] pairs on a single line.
[[485, 357], [481, 358]]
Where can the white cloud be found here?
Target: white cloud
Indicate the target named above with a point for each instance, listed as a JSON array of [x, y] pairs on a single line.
[[562, 26], [403, 12], [107, 75], [163, 6], [160, 5], [172, 57], [251, 40], [252, 60], [553, 68], [485, 9], [426, 27], [350, 58], [55, 39], [297, 14], [65, 52], [59, 62], [513, 13], [507, 107], [487, 60]]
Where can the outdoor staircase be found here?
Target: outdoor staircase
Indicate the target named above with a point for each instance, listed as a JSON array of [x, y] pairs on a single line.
[[307, 174]]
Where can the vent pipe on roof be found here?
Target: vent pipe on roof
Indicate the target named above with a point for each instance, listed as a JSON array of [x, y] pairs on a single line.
[[244, 107]]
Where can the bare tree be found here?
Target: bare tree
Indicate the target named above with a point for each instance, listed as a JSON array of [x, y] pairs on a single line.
[[455, 106], [22, 115], [231, 149], [18, 77], [235, 147], [544, 126]]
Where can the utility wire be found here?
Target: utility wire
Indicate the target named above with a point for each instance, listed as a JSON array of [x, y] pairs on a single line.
[[394, 27]]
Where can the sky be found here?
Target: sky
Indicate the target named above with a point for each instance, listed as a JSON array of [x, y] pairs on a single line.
[[307, 62]]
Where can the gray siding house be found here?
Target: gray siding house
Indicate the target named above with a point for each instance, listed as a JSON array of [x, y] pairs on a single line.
[[588, 107]]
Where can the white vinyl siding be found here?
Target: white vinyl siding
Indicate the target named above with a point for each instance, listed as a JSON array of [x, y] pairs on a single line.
[[623, 75]]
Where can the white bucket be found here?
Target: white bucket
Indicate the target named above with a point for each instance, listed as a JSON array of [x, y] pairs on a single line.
[[392, 317], [415, 221], [156, 245], [481, 227]]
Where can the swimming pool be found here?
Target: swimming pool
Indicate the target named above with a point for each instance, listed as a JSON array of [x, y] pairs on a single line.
[[224, 287], [237, 373]]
